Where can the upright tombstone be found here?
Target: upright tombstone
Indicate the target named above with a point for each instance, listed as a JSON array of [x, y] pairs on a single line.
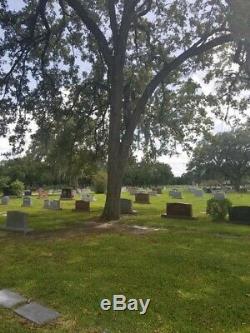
[[178, 210], [46, 204], [67, 194], [142, 198], [5, 200], [175, 194], [82, 206], [17, 221], [88, 197], [126, 207], [219, 195], [239, 214], [198, 193], [55, 205], [27, 202]]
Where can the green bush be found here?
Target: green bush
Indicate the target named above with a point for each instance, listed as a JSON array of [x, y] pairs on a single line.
[[100, 182], [218, 209], [17, 188]]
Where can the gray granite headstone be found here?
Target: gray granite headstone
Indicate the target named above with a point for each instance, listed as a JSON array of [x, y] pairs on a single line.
[[27, 202], [5, 200], [55, 205], [8, 298], [46, 204], [175, 194], [37, 313], [17, 221], [219, 196], [198, 193], [126, 206]]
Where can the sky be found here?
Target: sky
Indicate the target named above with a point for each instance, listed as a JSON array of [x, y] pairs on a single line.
[[177, 162]]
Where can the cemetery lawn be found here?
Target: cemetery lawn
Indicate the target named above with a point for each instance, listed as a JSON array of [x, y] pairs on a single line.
[[196, 273]]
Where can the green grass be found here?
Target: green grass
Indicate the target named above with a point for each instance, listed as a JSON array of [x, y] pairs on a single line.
[[196, 273]]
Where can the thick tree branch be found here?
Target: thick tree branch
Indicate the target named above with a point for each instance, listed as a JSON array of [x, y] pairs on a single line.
[[113, 19], [86, 18], [167, 68]]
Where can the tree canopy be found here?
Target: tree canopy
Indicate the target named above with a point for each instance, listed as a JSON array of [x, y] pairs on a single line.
[[225, 155], [123, 68]]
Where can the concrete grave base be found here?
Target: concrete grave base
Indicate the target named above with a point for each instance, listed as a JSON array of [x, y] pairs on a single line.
[[166, 216]]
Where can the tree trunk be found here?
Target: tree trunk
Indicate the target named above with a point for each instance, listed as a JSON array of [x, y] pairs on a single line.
[[115, 168]]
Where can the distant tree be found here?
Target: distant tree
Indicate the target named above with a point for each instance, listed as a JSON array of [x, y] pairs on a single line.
[[148, 173], [225, 154]]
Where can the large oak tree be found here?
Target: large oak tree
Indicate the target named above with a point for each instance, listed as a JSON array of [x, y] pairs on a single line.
[[137, 52]]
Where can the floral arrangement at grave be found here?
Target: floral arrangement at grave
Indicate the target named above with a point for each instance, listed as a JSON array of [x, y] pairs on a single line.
[[218, 209]]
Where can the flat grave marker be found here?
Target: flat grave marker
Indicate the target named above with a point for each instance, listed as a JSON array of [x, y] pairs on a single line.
[[37, 313], [9, 299]]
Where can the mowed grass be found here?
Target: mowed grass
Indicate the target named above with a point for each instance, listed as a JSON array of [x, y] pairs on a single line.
[[196, 273]]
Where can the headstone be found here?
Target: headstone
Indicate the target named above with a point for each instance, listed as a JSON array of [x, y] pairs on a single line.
[[126, 206], [239, 214], [142, 198], [8, 298], [55, 205], [153, 193], [88, 197], [17, 221], [175, 194], [46, 204], [219, 195], [27, 202], [5, 200], [82, 206], [178, 210], [198, 193], [67, 194], [37, 313]]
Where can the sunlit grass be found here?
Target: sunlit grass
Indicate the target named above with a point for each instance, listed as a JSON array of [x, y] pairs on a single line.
[[197, 273]]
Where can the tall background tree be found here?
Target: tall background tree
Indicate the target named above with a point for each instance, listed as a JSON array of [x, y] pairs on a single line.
[[224, 156], [140, 57]]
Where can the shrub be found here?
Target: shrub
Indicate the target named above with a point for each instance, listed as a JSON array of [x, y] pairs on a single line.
[[218, 209], [17, 188], [100, 182]]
